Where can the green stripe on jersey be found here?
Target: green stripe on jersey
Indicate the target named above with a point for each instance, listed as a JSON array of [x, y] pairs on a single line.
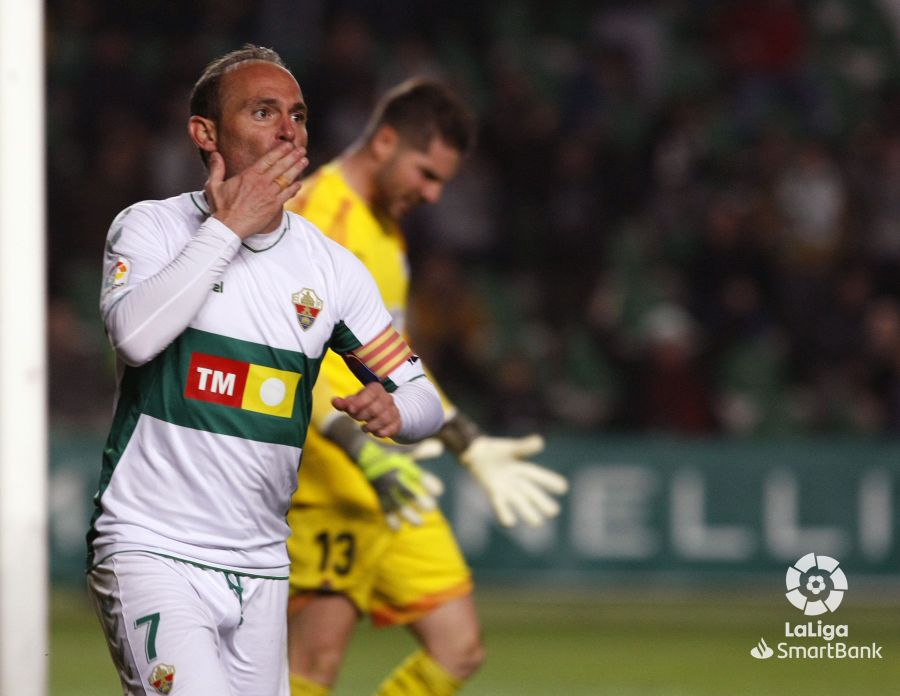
[[193, 384]]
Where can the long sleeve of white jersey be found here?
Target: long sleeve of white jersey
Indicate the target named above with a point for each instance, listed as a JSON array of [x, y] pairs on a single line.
[[148, 300], [420, 410]]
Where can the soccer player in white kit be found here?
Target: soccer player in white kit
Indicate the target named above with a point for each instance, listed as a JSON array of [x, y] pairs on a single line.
[[220, 307]]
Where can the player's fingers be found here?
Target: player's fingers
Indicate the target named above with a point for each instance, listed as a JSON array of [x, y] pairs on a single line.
[[429, 448], [545, 478], [386, 499], [348, 406], [410, 515], [392, 520], [375, 407], [373, 413], [382, 431], [288, 167], [340, 403], [382, 420], [503, 512], [528, 445], [531, 516], [424, 502], [285, 172], [518, 502], [432, 484], [535, 505], [372, 396], [546, 506], [289, 192], [385, 424], [525, 512], [266, 163], [354, 405]]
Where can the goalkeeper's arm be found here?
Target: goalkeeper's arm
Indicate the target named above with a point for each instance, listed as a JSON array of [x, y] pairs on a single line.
[[403, 488], [517, 488]]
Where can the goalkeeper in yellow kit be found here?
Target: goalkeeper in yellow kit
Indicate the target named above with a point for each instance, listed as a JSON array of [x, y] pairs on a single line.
[[367, 537]]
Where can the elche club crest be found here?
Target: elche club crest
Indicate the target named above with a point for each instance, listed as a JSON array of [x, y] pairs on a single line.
[[308, 306], [162, 678]]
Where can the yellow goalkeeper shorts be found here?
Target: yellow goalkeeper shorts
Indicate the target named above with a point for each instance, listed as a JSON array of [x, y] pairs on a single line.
[[395, 577]]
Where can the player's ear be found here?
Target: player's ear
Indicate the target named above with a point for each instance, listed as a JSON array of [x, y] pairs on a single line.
[[203, 132], [384, 142]]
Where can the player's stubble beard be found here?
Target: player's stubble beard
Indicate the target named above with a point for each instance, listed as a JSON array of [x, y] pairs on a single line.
[[394, 199]]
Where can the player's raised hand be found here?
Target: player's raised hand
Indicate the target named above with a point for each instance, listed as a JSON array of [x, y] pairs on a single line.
[[518, 489], [374, 407], [249, 200], [404, 489]]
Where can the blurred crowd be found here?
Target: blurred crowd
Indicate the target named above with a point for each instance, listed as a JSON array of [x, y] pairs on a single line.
[[682, 216]]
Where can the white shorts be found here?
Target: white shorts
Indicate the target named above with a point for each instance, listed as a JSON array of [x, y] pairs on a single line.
[[174, 627]]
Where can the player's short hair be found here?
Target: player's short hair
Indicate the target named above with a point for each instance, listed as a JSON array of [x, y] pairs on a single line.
[[206, 100], [420, 109], [205, 97]]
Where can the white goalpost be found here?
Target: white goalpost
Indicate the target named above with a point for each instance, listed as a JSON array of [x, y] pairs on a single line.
[[23, 403]]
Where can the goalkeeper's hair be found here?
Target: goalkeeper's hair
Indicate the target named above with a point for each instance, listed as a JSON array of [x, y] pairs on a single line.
[[206, 99], [421, 109]]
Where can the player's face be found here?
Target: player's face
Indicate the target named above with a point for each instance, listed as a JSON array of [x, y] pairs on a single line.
[[411, 176], [261, 106]]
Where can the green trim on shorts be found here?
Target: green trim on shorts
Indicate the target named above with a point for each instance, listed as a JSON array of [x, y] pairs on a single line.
[[196, 564]]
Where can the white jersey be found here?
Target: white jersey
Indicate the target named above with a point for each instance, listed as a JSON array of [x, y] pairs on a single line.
[[209, 424]]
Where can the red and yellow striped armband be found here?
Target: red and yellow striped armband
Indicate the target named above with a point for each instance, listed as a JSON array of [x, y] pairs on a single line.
[[384, 353]]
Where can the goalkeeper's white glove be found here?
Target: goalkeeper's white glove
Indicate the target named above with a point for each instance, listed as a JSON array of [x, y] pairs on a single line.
[[517, 489], [403, 488]]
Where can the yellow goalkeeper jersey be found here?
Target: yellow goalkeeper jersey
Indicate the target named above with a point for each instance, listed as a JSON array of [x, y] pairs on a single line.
[[327, 475]]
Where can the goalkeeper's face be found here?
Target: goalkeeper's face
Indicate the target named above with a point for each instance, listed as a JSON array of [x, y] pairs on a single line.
[[410, 176]]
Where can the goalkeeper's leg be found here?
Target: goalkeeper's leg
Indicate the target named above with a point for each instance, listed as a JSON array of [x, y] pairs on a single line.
[[318, 637], [451, 653]]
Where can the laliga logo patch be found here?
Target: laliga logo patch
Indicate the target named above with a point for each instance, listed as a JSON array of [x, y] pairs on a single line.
[[815, 584], [162, 678], [119, 273], [308, 306]]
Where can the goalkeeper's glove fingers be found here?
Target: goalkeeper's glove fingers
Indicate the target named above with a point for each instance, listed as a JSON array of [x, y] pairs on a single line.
[[429, 448], [525, 499], [403, 489], [517, 490], [434, 487]]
